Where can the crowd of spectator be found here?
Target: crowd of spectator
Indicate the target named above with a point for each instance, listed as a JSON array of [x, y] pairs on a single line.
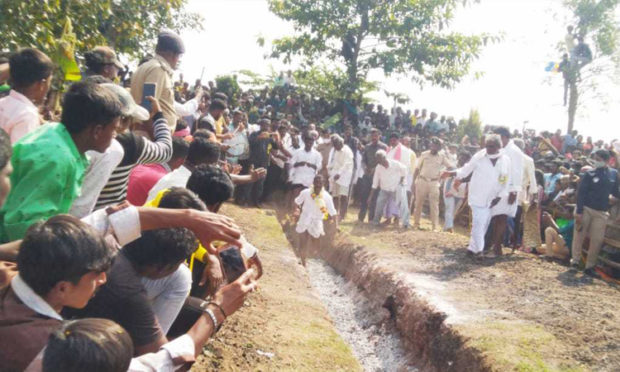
[[114, 254]]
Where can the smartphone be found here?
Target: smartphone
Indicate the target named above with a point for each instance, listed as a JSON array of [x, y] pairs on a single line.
[[148, 90], [233, 263]]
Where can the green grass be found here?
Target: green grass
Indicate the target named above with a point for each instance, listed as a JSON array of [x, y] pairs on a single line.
[[515, 346]]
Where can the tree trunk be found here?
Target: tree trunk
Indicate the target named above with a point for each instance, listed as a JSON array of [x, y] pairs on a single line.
[[572, 104]]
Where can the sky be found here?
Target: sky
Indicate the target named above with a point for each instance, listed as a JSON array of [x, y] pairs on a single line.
[[515, 90]]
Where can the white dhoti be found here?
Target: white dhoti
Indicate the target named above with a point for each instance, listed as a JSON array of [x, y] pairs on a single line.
[[409, 181], [313, 226], [337, 189], [504, 208], [481, 217]]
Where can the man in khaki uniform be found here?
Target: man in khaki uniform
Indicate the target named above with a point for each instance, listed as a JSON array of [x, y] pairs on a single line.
[[427, 176], [159, 71]]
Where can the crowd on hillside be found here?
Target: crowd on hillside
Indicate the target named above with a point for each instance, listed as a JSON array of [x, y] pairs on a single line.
[[115, 258]]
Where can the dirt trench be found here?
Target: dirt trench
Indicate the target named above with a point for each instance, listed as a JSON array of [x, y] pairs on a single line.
[[431, 343]]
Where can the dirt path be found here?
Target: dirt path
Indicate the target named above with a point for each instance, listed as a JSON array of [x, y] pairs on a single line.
[[522, 312], [284, 326]]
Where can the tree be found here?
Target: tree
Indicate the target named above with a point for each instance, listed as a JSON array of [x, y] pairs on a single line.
[[595, 21], [129, 26], [396, 36], [328, 83], [228, 85], [472, 126]]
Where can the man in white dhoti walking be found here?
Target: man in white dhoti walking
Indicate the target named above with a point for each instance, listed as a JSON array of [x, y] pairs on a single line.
[[340, 171], [507, 206], [489, 170]]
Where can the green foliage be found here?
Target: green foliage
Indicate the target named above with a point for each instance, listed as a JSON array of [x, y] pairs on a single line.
[[228, 84], [397, 36], [255, 80], [328, 83], [472, 126], [129, 26], [596, 21]]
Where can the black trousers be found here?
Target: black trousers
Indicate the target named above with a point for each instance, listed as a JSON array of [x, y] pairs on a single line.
[[242, 192], [365, 189], [273, 181]]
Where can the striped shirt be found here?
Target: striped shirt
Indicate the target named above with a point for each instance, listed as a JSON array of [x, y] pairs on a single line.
[[138, 150]]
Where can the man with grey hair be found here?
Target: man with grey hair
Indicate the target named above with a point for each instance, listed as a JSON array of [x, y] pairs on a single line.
[[389, 175], [489, 170], [340, 171], [507, 206]]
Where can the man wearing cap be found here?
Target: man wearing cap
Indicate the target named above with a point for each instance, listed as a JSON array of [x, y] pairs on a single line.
[[591, 214], [159, 71], [102, 66], [426, 177]]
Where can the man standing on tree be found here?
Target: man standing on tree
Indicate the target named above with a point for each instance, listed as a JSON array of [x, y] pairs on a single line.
[[159, 71]]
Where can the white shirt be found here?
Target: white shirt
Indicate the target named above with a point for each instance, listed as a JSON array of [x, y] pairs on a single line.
[[515, 155], [18, 115], [182, 348], [569, 39], [311, 217], [176, 178], [388, 179], [341, 164], [529, 186], [405, 156], [186, 109], [96, 177], [304, 175], [488, 181], [239, 145], [31, 299]]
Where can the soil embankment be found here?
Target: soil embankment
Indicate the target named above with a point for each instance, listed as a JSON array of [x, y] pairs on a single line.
[[515, 313]]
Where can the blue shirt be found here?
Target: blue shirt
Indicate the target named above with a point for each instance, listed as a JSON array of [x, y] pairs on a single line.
[[595, 188], [551, 181], [569, 141]]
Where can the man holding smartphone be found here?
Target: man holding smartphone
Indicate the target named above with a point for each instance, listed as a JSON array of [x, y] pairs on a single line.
[[155, 75]]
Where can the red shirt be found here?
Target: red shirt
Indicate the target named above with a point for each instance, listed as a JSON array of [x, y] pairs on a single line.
[[141, 180]]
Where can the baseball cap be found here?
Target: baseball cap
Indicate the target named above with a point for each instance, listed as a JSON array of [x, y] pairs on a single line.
[[103, 55], [129, 107]]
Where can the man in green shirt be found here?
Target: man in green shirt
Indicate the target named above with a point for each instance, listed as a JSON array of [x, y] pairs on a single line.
[[49, 163]]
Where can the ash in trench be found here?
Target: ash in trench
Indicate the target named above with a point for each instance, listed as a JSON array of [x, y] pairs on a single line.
[[374, 345]]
